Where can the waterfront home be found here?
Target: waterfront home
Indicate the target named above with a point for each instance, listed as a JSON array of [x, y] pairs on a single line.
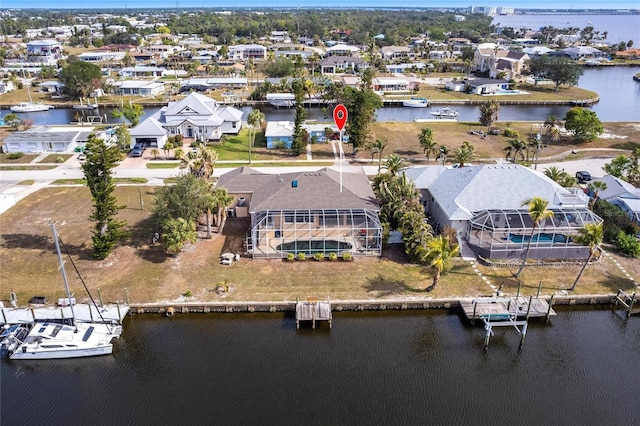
[[101, 56], [394, 53], [484, 205], [343, 50], [280, 133], [391, 85], [402, 68], [489, 57], [631, 54], [143, 88], [51, 139], [582, 52], [486, 86], [622, 194], [196, 116], [305, 212]]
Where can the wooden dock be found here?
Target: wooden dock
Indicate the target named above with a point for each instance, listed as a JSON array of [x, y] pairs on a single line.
[[313, 310], [496, 307]]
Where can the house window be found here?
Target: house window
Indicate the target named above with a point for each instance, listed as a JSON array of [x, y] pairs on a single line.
[[289, 217], [32, 145], [302, 217], [234, 125]]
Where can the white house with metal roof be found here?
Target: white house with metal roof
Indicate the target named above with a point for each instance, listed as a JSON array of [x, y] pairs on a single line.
[[51, 139], [196, 116], [623, 195], [144, 88], [486, 205]]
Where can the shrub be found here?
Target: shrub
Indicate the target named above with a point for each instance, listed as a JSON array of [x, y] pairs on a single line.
[[627, 244], [280, 145], [188, 293], [178, 138], [15, 155], [59, 159], [346, 256], [291, 257], [301, 256], [510, 133], [318, 256], [333, 256]]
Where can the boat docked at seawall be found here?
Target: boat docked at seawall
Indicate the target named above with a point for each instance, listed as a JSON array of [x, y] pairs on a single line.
[[281, 100], [60, 341], [51, 340], [416, 103], [30, 107], [89, 106], [445, 113]]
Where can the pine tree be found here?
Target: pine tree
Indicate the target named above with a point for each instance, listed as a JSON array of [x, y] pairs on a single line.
[[101, 160]]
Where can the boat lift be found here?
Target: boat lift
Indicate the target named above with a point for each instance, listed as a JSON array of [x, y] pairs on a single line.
[[503, 320]]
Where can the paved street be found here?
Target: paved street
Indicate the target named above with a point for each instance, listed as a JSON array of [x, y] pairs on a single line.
[[11, 192]]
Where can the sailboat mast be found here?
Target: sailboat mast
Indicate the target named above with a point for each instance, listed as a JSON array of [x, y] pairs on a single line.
[[64, 273]]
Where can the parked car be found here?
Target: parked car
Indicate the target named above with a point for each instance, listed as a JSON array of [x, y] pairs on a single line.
[[137, 151], [583, 176]]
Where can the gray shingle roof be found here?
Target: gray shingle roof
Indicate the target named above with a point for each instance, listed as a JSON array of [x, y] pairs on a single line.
[[313, 190]]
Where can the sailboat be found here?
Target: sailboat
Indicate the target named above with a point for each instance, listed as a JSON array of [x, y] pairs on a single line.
[[30, 106], [50, 340]]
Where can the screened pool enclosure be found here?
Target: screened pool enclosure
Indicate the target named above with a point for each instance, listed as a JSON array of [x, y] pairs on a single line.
[[276, 233], [505, 234]]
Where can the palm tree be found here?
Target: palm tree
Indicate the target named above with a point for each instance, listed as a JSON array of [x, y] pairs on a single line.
[[591, 235], [538, 212], [254, 119], [596, 187], [167, 148], [429, 146], [395, 164], [441, 252], [464, 154], [377, 148], [176, 232], [514, 149], [554, 173], [221, 200], [200, 162]]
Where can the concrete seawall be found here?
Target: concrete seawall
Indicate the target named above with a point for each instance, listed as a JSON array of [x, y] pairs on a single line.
[[341, 305]]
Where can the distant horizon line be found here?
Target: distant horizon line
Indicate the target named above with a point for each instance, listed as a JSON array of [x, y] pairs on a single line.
[[313, 7]]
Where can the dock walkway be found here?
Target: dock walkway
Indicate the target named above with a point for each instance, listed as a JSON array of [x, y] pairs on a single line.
[[313, 310], [479, 308]]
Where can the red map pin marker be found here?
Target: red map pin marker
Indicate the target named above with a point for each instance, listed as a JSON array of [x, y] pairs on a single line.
[[340, 116]]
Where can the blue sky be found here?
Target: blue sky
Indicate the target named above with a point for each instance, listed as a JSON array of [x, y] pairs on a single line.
[[111, 4]]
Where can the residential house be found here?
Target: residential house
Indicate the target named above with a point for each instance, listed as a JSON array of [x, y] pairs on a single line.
[[142, 71], [280, 133], [486, 207], [324, 212], [402, 68], [395, 53], [143, 88], [6, 86], [50, 139], [340, 64], [390, 84], [623, 195], [243, 52], [44, 52], [101, 56], [582, 52], [628, 54], [196, 116], [486, 86], [488, 57], [280, 37], [343, 50]]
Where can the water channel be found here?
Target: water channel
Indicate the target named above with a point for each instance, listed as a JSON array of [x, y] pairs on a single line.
[[619, 101], [409, 368]]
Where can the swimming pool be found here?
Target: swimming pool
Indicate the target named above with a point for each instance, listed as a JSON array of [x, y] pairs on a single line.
[[541, 238], [314, 246]]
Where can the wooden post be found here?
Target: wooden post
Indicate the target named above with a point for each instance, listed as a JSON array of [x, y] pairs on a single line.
[[473, 317], [126, 294], [519, 285], [546, 321], [539, 287], [633, 299], [523, 334], [90, 313], [618, 297], [119, 315], [62, 314], [4, 317], [487, 327], [529, 307], [33, 314], [100, 297]]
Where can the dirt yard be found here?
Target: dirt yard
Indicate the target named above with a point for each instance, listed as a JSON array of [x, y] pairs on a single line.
[[29, 263]]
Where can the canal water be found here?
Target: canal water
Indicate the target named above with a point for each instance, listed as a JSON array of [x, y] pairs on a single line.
[[409, 368], [619, 101]]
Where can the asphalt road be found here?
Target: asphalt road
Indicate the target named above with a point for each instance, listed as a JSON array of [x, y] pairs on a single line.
[[11, 191]]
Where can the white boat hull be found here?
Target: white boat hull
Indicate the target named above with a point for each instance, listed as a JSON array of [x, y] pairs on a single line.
[[30, 107], [415, 103], [60, 341], [62, 354]]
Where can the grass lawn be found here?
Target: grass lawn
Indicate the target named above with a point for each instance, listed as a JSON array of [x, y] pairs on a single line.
[[53, 158], [29, 265]]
